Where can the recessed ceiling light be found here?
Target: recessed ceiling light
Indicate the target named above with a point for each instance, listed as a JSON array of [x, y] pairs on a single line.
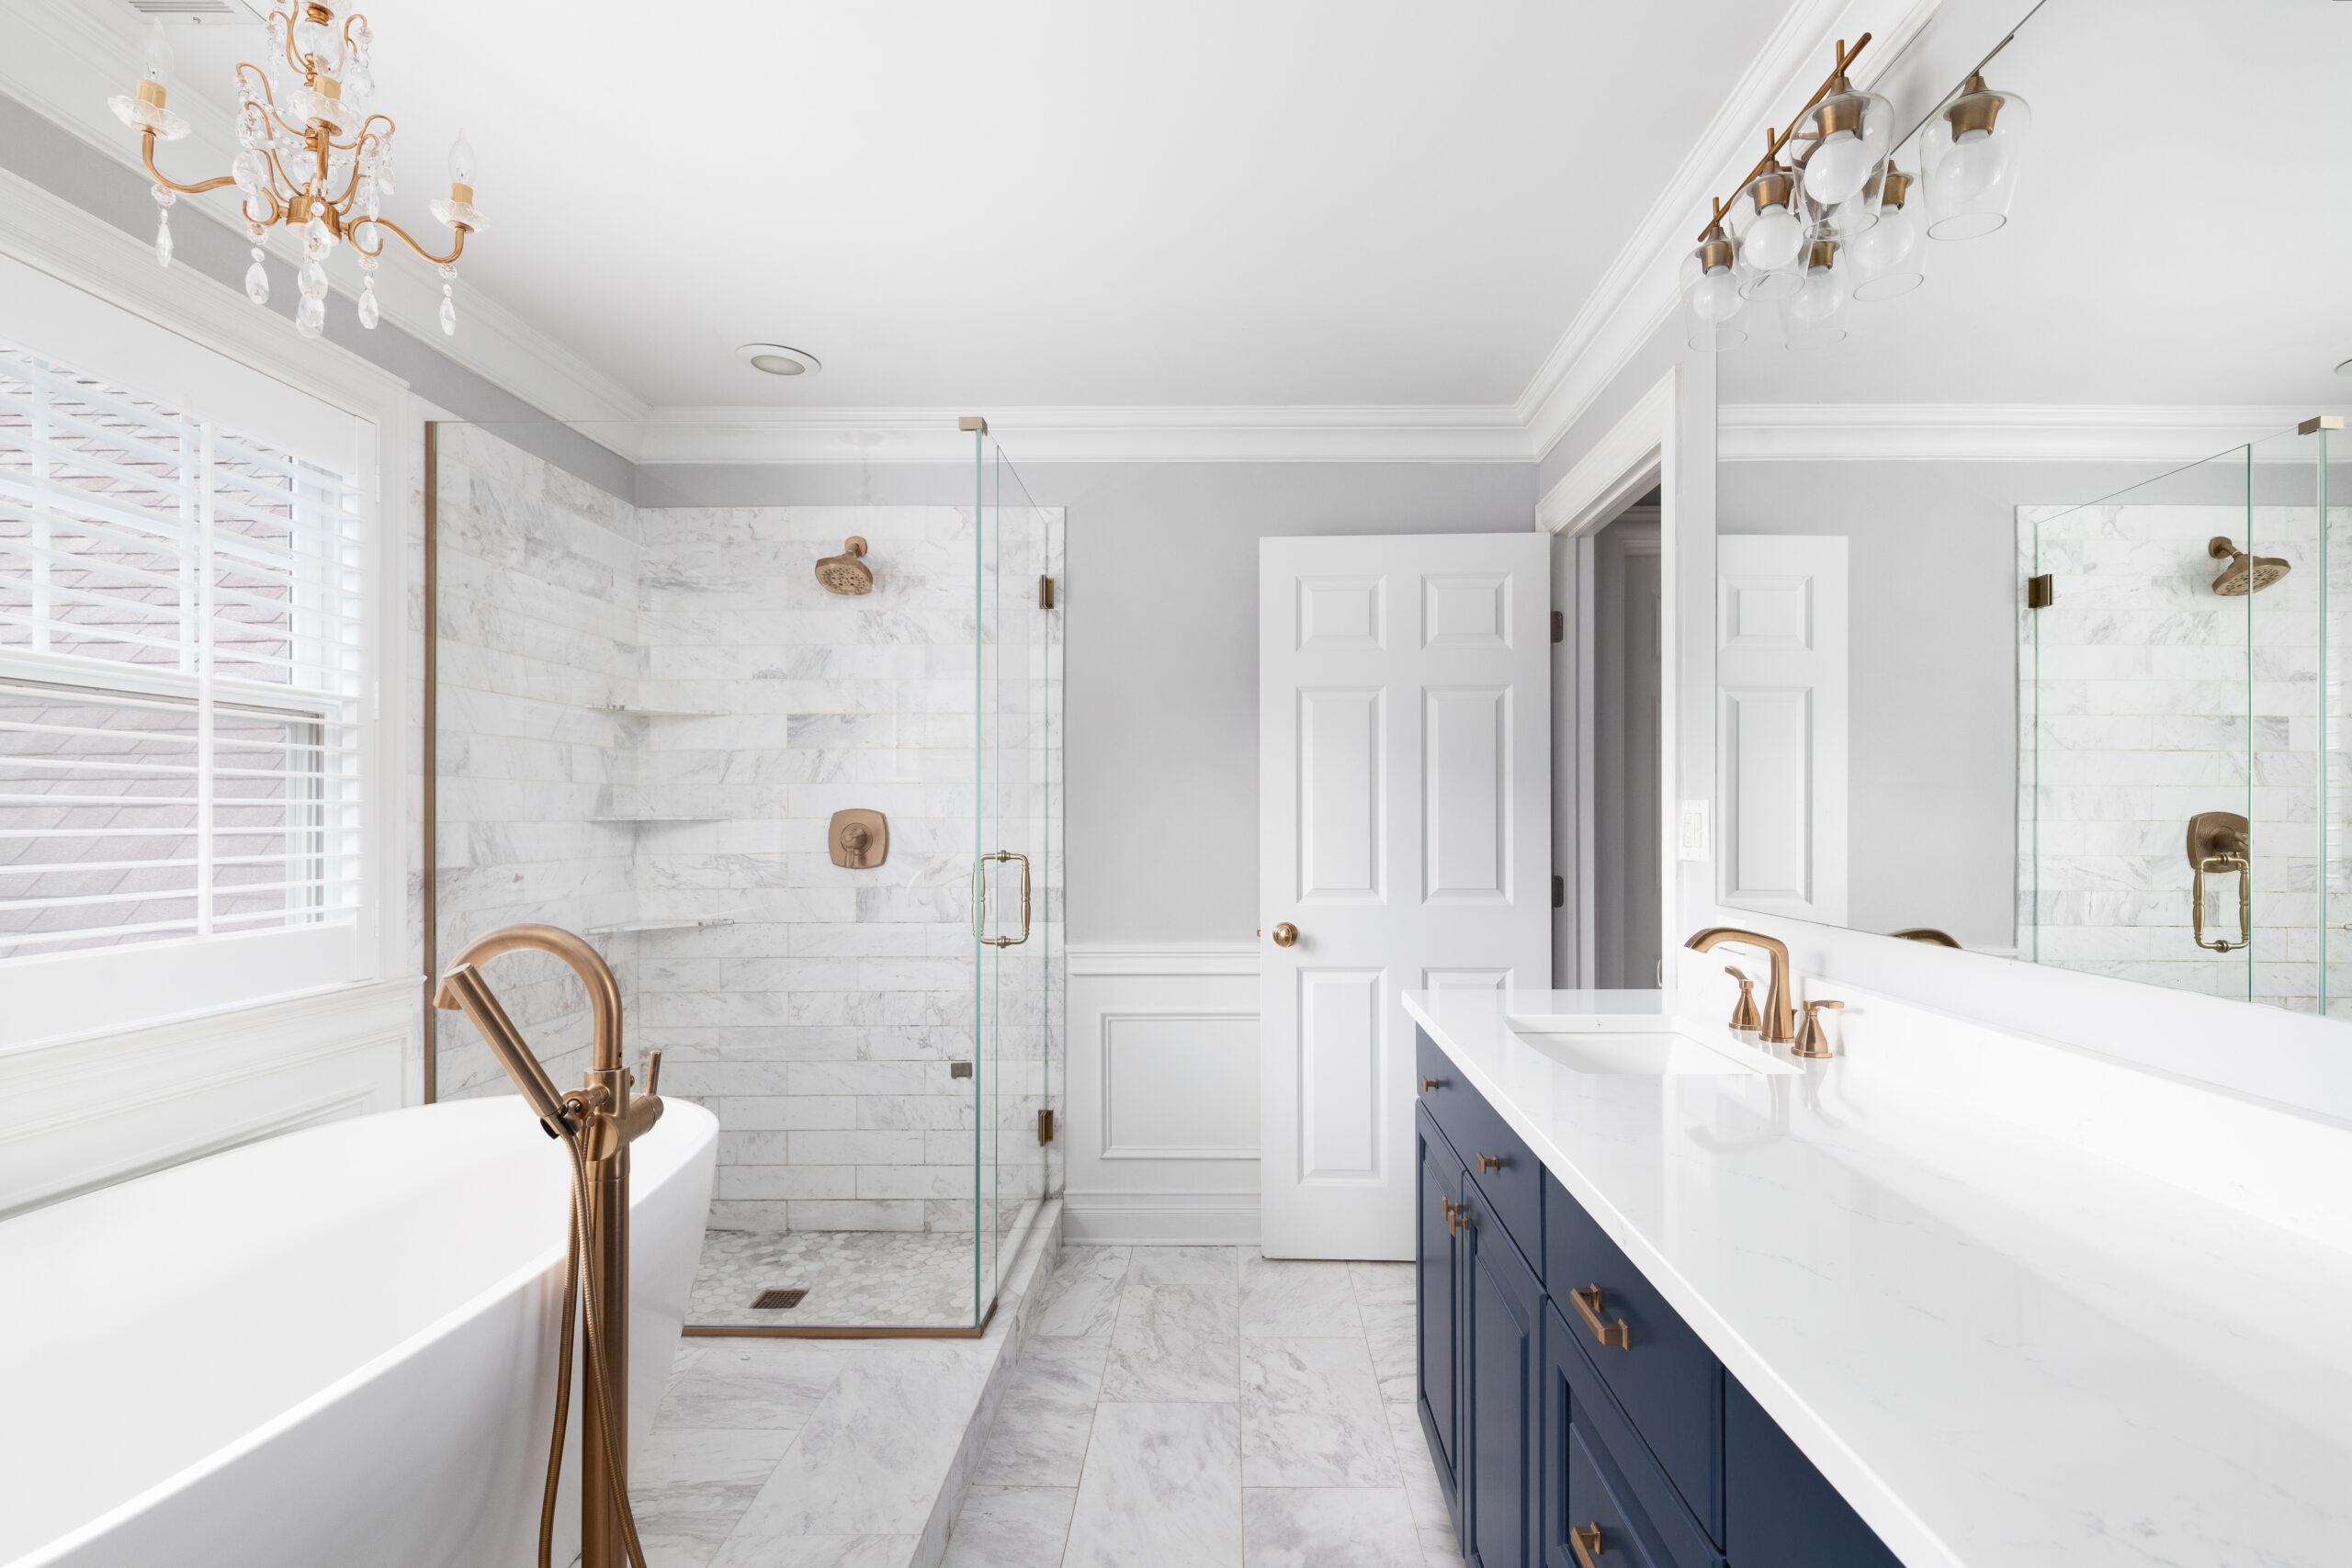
[[778, 360]]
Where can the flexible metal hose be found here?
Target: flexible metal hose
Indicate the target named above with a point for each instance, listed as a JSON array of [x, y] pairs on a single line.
[[591, 1313]]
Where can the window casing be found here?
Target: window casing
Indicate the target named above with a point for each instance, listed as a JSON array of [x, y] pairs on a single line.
[[182, 620]]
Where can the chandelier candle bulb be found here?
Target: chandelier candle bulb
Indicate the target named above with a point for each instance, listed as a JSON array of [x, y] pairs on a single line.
[[302, 138]]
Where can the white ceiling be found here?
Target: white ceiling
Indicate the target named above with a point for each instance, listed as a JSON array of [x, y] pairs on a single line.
[[2180, 234], [1063, 204]]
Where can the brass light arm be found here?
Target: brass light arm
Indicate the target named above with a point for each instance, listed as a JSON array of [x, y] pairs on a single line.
[[1778, 139], [410, 241], [147, 152]]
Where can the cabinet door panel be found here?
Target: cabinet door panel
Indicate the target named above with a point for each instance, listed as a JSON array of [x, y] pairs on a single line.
[[1502, 1318], [1779, 1512], [1633, 1502], [1437, 1286]]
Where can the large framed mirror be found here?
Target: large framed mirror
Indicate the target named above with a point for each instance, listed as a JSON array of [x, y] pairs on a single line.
[[2025, 637]]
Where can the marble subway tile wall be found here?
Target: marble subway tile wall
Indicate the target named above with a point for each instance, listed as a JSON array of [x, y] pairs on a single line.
[[2156, 699], [826, 1023], [539, 643]]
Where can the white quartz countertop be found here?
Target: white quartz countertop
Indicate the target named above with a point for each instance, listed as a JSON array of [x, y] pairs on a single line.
[[2021, 1305]]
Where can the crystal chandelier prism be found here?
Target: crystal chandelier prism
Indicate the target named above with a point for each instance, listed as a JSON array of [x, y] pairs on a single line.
[[311, 158]]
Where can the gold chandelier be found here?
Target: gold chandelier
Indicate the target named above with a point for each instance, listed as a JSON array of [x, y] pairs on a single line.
[[311, 158]]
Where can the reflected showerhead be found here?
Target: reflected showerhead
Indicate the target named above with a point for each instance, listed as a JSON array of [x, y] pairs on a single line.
[[845, 573], [2245, 574]]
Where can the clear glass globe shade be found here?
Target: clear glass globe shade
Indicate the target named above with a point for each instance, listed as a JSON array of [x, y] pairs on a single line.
[[1838, 168], [1885, 244], [1774, 240], [1819, 300], [1715, 294], [1974, 167]]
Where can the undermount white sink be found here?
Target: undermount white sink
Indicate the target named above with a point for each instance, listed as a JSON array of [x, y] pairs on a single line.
[[1650, 1054]]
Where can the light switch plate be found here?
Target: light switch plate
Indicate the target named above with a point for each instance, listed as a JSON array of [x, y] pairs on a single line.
[[1692, 840]]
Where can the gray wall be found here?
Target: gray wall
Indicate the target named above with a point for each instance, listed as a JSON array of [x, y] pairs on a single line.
[[1161, 691]]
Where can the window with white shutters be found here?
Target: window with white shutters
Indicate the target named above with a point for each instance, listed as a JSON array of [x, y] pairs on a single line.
[[179, 673]]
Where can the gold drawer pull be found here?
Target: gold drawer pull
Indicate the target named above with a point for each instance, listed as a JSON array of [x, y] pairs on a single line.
[[1586, 1299], [1490, 1164], [1586, 1541], [1453, 1215], [1429, 1086]]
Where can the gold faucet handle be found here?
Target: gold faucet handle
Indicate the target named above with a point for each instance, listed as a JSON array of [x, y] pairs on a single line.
[[1735, 974], [1811, 1042], [653, 1075], [1744, 1020]]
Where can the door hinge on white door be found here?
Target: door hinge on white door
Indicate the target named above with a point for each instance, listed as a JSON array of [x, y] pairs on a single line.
[[1559, 626], [1559, 893]]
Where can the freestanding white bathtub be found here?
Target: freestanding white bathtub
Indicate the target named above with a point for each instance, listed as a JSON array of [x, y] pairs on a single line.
[[334, 1348]]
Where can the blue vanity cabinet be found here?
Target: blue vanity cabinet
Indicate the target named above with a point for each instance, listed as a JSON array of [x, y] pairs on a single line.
[[1783, 1513], [1438, 1279], [1502, 1306]]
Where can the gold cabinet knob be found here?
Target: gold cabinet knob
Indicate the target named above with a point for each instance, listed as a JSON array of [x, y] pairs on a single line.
[[1285, 934]]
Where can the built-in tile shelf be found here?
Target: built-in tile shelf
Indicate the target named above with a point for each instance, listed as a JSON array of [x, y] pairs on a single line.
[[638, 818], [626, 711], [625, 928]]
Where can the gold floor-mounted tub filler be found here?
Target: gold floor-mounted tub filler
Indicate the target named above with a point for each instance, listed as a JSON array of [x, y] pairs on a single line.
[[596, 1124]]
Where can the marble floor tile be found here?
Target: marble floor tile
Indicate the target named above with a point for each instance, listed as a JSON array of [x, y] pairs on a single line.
[[1010, 1526], [817, 1551], [1422, 1488], [1184, 1266], [1439, 1549], [1296, 1299], [1381, 1284], [870, 1459], [1039, 1438], [1390, 1333], [1162, 1489], [1082, 1298], [1311, 1415], [775, 1384], [1327, 1528], [1174, 1343], [690, 1487]]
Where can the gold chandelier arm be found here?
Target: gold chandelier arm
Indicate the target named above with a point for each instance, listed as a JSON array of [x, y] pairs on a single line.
[[147, 152], [410, 241], [277, 209]]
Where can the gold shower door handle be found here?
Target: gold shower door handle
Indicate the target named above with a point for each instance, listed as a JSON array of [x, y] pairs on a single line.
[[2221, 840], [980, 899]]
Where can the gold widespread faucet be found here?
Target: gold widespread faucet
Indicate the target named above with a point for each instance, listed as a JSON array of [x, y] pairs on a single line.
[[1780, 1017], [598, 1121]]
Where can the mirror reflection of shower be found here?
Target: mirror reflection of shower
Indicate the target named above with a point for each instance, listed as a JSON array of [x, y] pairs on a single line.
[[2245, 574]]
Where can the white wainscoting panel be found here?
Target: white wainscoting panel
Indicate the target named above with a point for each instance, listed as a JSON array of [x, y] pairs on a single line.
[[1162, 1110], [82, 1114]]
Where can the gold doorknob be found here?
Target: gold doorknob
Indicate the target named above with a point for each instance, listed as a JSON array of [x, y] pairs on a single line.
[[1285, 934]]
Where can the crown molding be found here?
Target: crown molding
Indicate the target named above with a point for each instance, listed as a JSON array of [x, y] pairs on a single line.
[[1638, 293], [1464, 434], [62, 59], [1765, 433]]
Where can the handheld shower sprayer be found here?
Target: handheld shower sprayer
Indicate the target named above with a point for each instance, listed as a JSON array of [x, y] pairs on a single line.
[[596, 1124]]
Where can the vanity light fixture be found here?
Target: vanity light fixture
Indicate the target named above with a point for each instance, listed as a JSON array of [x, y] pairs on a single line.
[[1850, 134], [1969, 155], [1767, 231], [311, 158], [1711, 303], [1886, 255], [1814, 316], [777, 360]]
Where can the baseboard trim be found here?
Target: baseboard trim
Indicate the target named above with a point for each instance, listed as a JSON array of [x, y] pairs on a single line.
[[1160, 1219]]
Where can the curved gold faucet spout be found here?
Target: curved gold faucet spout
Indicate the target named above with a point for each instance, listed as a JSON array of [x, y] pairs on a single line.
[[604, 990], [1780, 1017]]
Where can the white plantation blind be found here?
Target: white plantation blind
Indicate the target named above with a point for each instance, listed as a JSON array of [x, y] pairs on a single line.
[[179, 664]]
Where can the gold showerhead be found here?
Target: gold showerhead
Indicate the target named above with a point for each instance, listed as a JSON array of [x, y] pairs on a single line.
[[2245, 574], [845, 573]]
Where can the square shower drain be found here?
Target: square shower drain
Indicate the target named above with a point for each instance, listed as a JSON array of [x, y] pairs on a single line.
[[778, 1299]]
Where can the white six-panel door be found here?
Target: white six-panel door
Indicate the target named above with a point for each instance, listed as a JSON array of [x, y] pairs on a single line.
[[1404, 724], [1781, 686]]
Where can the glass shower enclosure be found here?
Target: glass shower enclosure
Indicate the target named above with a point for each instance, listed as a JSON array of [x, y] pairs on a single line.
[[816, 833], [2182, 691]]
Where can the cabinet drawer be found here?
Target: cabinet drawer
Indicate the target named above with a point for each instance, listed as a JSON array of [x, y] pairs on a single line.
[[1496, 1158], [1669, 1383], [1596, 1472]]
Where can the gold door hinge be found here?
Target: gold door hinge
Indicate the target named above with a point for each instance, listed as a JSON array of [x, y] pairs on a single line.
[[1044, 1127], [2041, 592], [1045, 594], [2320, 422]]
